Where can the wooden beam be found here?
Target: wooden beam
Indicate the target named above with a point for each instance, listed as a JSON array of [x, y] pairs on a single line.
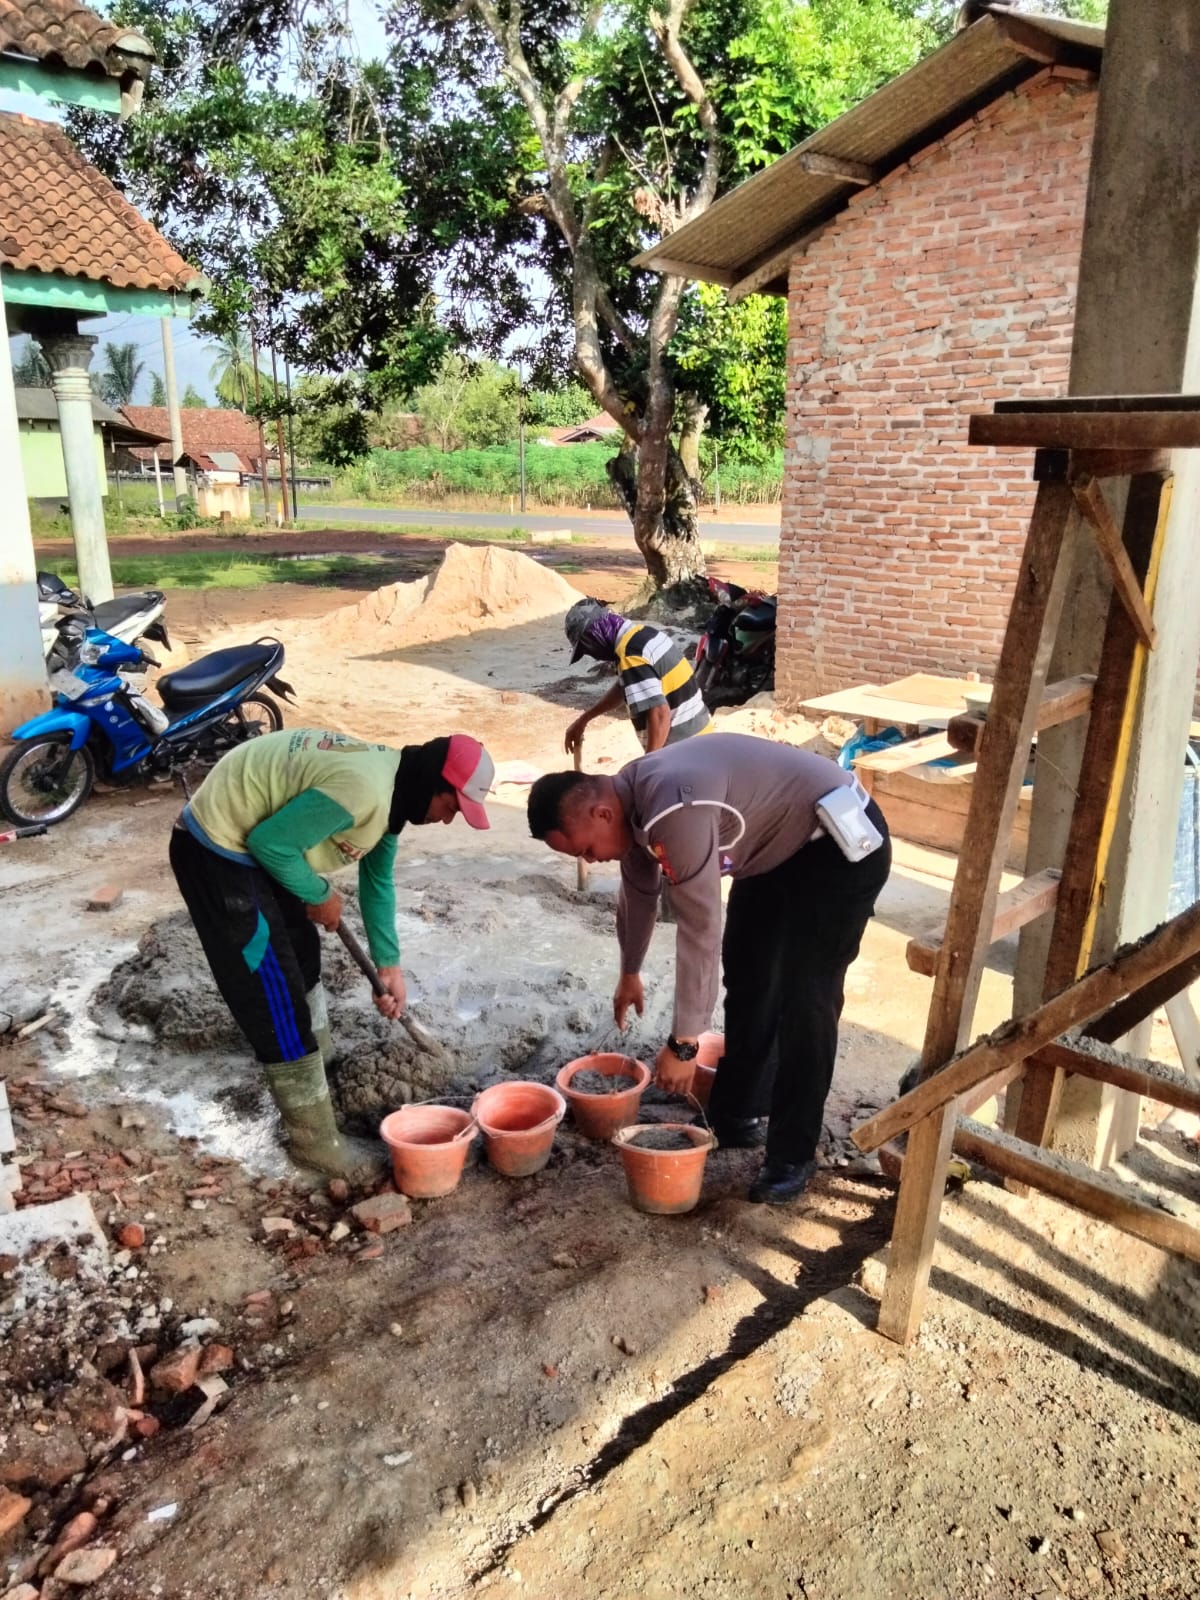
[[1130, 969], [822, 166], [1089, 497], [1090, 1059], [1126, 1014], [1027, 40], [767, 268], [1024, 902], [914, 1232], [1083, 404], [1076, 1185], [694, 270], [1061, 702], [1099, 430], [1120, 463]]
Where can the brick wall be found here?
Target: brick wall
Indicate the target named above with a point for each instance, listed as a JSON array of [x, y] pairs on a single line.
[[949, 285]]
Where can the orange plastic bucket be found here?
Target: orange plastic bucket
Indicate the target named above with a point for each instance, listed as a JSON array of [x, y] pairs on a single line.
[[598, 1116], [664, 1182], [518, 1122], [712, 1048], [429, 1146]]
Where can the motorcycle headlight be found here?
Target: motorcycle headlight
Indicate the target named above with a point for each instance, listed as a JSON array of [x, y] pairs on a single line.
[[89, 654]]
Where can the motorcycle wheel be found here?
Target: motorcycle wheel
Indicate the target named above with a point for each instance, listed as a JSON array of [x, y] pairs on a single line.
[[44, 780], [257, 714]]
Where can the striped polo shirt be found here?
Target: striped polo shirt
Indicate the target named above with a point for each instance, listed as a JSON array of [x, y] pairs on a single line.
[[654, 672]]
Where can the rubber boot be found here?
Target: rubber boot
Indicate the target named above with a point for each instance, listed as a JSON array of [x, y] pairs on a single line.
[[318, 1012], [300, 1090]]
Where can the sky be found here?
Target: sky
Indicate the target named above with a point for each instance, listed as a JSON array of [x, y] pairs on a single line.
[[193, 355]]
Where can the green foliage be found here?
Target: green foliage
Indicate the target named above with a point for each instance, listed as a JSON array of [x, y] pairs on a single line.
[[555, 475], [118, 380], [469, 405], [158, 390], [736, 357], [564, 407], [193, 400], [232, 371]]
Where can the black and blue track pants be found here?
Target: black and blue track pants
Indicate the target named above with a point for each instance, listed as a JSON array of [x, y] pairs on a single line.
[[264, 951]]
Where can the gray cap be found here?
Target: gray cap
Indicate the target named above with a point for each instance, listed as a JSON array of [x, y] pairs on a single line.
[[576, 623]]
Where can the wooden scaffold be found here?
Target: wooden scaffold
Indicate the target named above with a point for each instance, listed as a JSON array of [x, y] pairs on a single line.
[[1079, 442]]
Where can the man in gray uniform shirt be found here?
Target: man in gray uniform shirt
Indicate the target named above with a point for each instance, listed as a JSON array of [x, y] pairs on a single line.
[[798, 906]]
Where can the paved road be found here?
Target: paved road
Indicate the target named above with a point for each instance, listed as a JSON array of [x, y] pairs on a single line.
[[602, 527]]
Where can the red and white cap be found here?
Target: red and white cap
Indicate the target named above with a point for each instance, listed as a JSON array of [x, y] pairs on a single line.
[[472, 772]]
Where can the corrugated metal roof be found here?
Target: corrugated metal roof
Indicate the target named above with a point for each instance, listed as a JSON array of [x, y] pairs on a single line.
[[37, 404], [738, 236]]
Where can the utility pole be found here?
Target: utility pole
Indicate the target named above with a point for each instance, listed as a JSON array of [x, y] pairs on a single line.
[[291, 437], [262, 438], [521, 428], [174, 420], [716, 478], [283, 483]]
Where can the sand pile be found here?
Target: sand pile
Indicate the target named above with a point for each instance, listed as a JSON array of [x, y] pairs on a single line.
[[476, 586]]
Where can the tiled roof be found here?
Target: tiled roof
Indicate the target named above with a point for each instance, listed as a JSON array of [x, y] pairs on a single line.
[[63, 33], [58, 214], [204, 431]]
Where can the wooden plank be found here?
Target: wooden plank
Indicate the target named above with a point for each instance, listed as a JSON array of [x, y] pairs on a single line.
[[1090, 1059], [1100, 430], [1020, 677], [1090, 499], [1061, 702], [1028, 40], [1033, 897], [1122, 1018], [1083, 404], [823, 166], [914, 1232], [687, 269], [930, 806], [1065, 700], [1133, 967], [1120, 463], [1076, 1185], [912, 753]]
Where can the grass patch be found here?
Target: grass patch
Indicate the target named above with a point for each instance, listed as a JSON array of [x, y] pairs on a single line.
[[217, 570], [760, 554]]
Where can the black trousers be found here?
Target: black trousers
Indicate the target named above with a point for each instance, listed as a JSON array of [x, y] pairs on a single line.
[[790, 936], [262, 947]]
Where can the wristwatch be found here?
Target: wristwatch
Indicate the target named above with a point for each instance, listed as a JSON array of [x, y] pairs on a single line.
[[684, 1052]]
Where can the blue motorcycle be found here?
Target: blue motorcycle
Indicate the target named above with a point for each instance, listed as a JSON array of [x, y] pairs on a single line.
[[101, 725]]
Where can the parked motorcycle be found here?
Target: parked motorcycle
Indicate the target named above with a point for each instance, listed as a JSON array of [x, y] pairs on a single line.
[[735, 657], [101, 725], [128, 617]]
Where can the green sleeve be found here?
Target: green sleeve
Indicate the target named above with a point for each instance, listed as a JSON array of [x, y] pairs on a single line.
[[377, 901], [278, 842]]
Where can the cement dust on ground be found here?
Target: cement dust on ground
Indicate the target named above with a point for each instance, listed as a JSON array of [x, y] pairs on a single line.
[[532, 1388]]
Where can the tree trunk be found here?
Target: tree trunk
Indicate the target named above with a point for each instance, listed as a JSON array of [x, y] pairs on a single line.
[[659, 498], [693, 414]]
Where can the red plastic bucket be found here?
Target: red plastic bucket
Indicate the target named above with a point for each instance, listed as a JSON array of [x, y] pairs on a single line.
[[518, 1122], [429, 1146], [664, 1182], [712, 1048], [598, 1116]]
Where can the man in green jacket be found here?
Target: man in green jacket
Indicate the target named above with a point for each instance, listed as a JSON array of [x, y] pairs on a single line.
[[249, 853]]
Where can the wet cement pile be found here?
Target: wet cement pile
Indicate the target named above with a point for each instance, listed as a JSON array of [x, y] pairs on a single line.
[[512, 978]]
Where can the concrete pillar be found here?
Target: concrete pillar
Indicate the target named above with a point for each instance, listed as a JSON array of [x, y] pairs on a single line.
[[68, 355], [1137, 331], [174, 420], [23, 688]]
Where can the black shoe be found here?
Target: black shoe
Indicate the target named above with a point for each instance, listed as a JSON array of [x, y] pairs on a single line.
[[781, 1181], [740, 1133]]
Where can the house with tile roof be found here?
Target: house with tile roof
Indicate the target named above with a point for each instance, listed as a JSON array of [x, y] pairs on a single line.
[[41, 443], [208, 431], [71, 247]]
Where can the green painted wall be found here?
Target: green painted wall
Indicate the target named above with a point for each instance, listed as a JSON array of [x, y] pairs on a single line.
[[42, 459]]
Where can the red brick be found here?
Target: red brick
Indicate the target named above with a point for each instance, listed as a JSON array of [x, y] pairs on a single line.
[[132, 1236], [107, 898], [216, 1358], [382, 1213], [73, 1537], [177, 1372]]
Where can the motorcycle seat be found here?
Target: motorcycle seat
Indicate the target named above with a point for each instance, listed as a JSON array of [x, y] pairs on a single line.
[[758, 617], [214, 674], [110, 614]]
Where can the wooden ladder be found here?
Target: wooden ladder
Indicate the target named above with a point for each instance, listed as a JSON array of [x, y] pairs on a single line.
[[1079, 442]]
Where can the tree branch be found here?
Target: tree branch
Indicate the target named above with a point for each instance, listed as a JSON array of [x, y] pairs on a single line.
[[666, 31]]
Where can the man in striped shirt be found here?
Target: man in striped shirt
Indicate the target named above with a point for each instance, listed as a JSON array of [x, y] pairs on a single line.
[[654, 678]]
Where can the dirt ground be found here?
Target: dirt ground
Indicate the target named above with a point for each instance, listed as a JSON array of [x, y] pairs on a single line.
[[530, 1387]]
